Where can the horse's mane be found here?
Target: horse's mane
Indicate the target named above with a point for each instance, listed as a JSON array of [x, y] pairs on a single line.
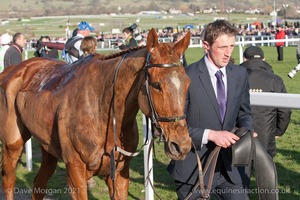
[[120, 53]]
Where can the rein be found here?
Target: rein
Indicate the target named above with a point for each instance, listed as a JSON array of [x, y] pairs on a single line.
[[212, 159]]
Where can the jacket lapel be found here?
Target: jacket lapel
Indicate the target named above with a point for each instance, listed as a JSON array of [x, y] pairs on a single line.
[[207, 85]]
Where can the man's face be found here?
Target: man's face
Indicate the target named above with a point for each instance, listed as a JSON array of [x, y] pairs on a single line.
[[125, 35], [21, 41], [221, 50], [86, 32], [45, 40], [279, 29]]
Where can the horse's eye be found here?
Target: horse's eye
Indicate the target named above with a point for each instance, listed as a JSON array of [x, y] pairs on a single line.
[[156, 86]]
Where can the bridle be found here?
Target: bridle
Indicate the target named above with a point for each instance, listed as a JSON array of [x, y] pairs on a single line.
[[155, 118]]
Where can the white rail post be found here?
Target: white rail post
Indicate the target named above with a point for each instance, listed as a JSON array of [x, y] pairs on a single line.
[[148, 162], [241, 53], [28, 149], [28, 146]]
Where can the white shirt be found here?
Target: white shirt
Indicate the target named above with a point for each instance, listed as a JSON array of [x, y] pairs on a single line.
[[212, 69]]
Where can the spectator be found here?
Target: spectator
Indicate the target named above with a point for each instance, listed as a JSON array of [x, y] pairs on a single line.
[[72, 47], [280, 34], [129, 40], [88, 45], [213, 107], [43, 51], [13, 55], [5, 42], [268, 122]]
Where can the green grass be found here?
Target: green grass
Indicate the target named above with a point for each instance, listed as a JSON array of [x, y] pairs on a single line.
[[55, 26], [287, 159]]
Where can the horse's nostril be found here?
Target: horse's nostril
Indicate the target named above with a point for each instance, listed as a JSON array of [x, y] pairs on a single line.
[[174, 147]]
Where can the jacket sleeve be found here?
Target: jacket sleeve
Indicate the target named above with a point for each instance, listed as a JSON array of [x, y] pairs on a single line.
[[283, 114], [196, 134]]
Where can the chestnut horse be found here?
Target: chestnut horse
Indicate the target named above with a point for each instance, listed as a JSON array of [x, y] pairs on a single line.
[[85, 113]]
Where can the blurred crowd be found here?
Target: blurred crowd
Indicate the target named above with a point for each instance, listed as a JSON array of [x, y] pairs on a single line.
[[115, 40]]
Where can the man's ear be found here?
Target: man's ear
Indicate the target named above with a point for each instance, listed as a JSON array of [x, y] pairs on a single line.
[[206, 46]]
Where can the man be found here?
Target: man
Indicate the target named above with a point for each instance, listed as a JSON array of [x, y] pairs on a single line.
[[217, 101], [268, 122], [280, 34], [5, 42], [13, 55], [72, 47]]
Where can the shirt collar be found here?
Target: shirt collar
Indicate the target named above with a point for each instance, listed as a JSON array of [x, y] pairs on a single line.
[[212, 69]]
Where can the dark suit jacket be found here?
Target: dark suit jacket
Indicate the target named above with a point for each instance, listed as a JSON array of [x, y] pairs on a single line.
[[202, 113]]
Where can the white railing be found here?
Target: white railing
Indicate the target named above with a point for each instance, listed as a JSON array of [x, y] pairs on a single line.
[[264, 40]]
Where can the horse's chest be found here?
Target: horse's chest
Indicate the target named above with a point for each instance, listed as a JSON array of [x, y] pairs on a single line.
[[97, 161]]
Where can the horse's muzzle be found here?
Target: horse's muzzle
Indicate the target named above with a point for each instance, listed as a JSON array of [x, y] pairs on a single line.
[[177, 151]]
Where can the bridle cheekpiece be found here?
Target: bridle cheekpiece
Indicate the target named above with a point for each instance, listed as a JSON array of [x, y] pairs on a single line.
[[155, 118]]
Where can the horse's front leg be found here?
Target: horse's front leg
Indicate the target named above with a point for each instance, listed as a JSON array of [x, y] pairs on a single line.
[[121, 183], [76, 175], [10, 157]]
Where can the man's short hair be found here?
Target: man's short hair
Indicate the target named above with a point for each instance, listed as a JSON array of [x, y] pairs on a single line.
[[218, 28], [16, 37]]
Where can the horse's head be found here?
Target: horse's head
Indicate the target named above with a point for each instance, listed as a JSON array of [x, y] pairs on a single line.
[[163, 95]]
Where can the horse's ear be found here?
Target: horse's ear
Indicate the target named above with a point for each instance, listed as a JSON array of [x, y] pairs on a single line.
[[182, 44], [152, 39]]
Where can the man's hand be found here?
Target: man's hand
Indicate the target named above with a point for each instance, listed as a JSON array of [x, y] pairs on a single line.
[[223, 139]]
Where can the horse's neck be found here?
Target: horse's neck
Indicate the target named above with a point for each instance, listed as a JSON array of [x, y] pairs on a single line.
[[130, 77]]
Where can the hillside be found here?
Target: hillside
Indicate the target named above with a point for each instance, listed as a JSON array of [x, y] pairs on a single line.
[[30, 8]]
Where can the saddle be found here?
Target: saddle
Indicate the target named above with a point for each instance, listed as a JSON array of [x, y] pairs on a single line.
[[249, 148], [244, 151]]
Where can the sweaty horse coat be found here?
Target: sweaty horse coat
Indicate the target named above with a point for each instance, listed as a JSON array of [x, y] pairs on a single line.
[[68, 109]]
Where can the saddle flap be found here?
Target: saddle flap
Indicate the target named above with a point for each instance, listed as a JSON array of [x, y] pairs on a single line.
[[242, 149]]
